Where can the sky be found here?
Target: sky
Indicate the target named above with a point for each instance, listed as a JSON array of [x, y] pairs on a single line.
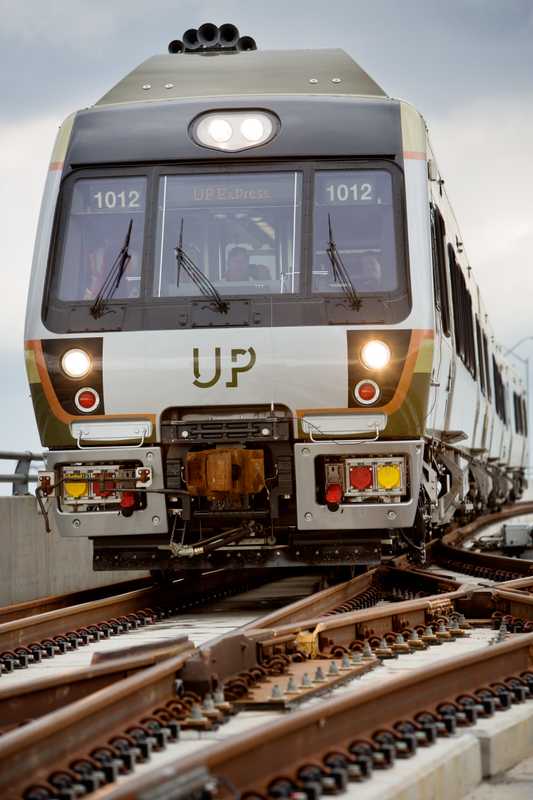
[[467, 65]]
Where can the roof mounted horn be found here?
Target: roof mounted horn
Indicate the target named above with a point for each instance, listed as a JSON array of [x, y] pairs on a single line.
[[209, 38]]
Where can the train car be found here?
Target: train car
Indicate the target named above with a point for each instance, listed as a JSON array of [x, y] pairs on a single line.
[[253, 335]]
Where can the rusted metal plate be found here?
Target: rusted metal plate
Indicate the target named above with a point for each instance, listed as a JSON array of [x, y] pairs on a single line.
[[154, 650], [302, 681]]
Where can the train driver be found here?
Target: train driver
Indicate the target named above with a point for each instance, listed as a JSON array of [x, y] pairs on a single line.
[[240, 269]]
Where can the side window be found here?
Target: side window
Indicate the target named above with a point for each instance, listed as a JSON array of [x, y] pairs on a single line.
[[480, 358], [456, 299], [485, 345], [516, 409], [438, 248], [499, 392], [469, 324], [462, 315], [520, 414]]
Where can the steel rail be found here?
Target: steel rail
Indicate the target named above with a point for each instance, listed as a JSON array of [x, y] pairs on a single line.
[[53, 602], [29, 638], [518, 584], [54, 740], [58, 737], [459, 534], [396, 616], [23, 631], [306, 737], [30, 701], [45, 694], [67, 731], [335, 598]]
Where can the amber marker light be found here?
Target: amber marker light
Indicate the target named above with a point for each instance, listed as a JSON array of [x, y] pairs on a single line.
[[75, 486], [76, 363], [389, 476], [375, 354]]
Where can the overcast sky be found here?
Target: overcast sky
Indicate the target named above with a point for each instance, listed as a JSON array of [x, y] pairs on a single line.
[[466, 64]]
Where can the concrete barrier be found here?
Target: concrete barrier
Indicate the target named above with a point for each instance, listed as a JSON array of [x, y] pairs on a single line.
[[34, 563]]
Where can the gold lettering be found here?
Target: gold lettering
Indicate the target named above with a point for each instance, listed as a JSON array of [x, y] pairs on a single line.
[[205, 194]]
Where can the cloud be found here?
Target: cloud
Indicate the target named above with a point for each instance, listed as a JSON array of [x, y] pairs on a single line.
[[483, 149], [467, 66], [26, 149]]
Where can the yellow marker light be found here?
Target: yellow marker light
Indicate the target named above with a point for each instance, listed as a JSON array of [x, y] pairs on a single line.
[[76, 363], [375, 354], [389, 476], [75, 488]]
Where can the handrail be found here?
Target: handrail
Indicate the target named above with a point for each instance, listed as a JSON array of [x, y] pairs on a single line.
[[21, 477]]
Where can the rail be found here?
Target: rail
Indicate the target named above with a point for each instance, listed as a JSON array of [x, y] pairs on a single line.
[[21, 477], [94, 725]]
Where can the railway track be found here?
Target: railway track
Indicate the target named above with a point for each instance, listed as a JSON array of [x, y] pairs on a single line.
[[33, 633], [163, 712]]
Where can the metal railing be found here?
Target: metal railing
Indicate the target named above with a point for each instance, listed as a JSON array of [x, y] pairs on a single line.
[[22, 476]]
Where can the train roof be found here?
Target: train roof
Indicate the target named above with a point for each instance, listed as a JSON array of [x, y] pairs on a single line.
[[254, 72]]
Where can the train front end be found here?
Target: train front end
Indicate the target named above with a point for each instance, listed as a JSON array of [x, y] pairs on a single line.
[[229, 330]]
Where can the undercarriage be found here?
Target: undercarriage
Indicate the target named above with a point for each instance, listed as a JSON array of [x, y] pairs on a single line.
[[239, 492]]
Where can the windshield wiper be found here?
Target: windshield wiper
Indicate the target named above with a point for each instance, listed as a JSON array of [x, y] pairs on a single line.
[[200, 280], [340, 273], [113, 278]]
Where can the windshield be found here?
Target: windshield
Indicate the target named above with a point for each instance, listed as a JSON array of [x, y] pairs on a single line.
[[100, 214], [325, 246], [358, 206], [242, 231]]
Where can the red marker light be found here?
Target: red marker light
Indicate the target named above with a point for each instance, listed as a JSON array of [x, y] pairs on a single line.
[[366, 392], [334, 494], [128, 501], [103, 487], [361, 478], [87, 399]]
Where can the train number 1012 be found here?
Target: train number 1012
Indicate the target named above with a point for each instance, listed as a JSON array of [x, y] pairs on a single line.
[[121, 199], [342, 193]]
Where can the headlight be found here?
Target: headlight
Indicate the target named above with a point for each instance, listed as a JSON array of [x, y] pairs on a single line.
[[219, 130], [76, 363], [234, 130], [375, 354]]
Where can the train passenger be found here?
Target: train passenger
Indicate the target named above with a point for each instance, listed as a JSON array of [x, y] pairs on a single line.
[[100, 261]]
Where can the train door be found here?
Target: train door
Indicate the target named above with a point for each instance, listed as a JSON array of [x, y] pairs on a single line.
[[442, 376]]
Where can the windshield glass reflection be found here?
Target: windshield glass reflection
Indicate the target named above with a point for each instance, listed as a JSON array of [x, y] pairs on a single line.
[[241, 231], [358, 204]]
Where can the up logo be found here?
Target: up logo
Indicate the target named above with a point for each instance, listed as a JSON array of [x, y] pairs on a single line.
[[241, 359]]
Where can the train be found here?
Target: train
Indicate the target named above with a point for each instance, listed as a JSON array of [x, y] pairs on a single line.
[[253, 337]]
